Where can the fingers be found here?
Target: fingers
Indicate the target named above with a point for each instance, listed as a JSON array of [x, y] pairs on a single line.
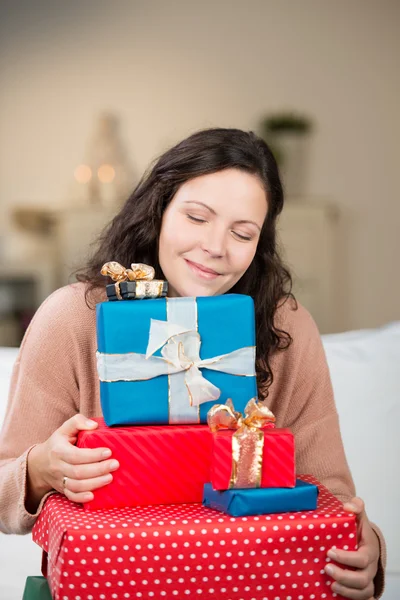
[[87, 485], [82, 480], [75, 424], [358, 580], [358, 559], [79, 456], [74, 488], [356, 506], [81, 498], [89, 471], [85, 469], [365, 594], [355, 584]]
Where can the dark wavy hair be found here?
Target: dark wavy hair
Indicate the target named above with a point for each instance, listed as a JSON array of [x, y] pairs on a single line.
[[133, 234]]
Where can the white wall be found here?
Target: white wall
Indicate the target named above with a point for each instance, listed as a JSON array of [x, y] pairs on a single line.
[[169, 68]]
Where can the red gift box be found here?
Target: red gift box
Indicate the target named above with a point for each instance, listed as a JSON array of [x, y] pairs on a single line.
[[158, 464], [171, 552], [278, 463]]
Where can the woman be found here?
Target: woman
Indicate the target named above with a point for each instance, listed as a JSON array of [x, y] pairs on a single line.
[[205, 218]]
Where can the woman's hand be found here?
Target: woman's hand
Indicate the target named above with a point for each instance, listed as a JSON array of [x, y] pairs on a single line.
[[58, 464], [358, 584]]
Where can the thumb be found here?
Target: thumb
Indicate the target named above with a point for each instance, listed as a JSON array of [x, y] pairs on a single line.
[[75, 424], [357, 507]]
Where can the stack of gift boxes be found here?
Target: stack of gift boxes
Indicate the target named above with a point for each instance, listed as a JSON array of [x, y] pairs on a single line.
[[205, 500]]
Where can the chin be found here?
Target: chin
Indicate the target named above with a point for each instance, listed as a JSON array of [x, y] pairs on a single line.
[[194, 291], [199, 290]]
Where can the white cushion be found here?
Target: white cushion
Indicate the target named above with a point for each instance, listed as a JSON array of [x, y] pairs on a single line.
[[19, 556], [364, 367], [7, 359]]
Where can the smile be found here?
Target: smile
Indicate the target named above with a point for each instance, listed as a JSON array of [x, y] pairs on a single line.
[[201, 271]]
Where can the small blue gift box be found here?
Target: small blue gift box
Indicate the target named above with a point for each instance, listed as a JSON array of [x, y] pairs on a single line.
[[262, 501], [168, 360]]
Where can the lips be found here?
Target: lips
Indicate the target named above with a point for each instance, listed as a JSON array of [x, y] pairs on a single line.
[[202, 270]]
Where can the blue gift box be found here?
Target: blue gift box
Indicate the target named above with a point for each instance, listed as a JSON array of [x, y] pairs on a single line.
[[262, 501], [225, 325]]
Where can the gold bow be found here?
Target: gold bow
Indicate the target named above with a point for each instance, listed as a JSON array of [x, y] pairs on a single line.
[[146, 285], [247, 441], [137, 272]]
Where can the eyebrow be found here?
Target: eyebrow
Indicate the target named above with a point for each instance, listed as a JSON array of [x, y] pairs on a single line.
[[214, 213]]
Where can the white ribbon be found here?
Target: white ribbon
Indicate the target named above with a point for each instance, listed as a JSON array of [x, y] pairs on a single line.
[[180, 354]]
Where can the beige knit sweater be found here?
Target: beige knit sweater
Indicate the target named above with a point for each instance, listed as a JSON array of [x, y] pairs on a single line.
[[55, 377]]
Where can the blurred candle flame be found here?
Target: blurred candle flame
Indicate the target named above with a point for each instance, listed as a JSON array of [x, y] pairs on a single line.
[[83, 174], [106, 173]]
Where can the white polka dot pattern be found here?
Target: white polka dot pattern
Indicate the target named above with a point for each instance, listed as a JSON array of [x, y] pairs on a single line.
[[173, 551]]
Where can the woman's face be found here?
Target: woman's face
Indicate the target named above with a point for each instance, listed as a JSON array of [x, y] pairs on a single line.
[[209, 232]]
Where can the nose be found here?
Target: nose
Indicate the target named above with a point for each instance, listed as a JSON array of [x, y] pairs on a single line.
[[214, 241]]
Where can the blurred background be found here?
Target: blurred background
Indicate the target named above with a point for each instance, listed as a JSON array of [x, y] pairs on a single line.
[[91, 92]]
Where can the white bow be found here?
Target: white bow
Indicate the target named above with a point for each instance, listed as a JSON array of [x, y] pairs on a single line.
[[180, 353]]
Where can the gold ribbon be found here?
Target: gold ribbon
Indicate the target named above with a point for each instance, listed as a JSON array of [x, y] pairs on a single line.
[[139, 272], [247, 441]]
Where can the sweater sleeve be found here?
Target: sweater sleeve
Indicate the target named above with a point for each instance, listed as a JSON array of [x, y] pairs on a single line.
[[302, 399], [43, 394]]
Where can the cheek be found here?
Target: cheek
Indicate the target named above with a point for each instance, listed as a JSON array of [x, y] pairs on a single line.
[[175, 237], [242, 256]]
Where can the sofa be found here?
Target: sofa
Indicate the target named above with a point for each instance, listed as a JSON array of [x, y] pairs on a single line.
[[365, 371]]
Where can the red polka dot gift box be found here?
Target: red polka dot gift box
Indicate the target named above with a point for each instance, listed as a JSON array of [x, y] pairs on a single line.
[[173, 552]]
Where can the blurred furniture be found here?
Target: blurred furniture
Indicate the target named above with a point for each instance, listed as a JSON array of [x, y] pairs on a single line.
[[74, 232], [364, 371], [307, 232], [17, 301], [49, 245], [22, 289], [69, 232]]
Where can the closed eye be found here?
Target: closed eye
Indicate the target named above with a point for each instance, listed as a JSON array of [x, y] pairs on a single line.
[[244, 238], [195, 219]]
